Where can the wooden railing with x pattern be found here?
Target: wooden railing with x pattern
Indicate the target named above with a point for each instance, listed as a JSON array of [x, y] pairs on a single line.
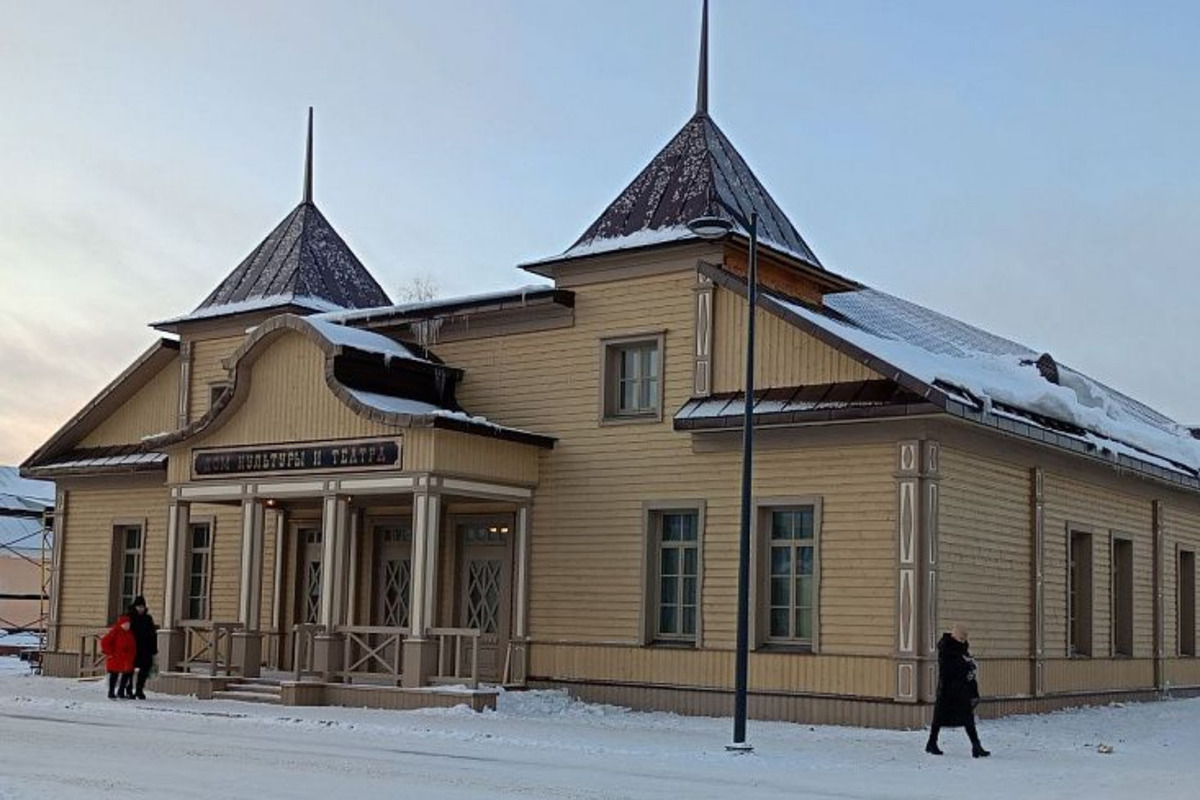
[[372, 652], [209, 643]]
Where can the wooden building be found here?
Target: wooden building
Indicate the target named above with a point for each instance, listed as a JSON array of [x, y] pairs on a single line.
[[540, 487]]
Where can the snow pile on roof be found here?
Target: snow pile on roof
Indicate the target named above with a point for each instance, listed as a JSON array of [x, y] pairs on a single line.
[[642, 238], [416, 309], [22, 494], [123, 460], [365, 341], [287, 300], [933, 347], [390, 404]]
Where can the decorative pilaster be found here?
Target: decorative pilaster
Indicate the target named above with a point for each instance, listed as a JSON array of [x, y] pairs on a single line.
[[56, 551], [1160, 637], [908, 569], [327, 649], [247, 643], [930, 488], [1037, 562], [702, 368], [518, 668], [185, 385]]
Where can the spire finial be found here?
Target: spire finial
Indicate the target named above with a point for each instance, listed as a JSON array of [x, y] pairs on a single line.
[[702, 81], [308, 178]]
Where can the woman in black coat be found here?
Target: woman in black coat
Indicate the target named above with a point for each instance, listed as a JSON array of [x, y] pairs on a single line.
[[145, 633], [957, 692]]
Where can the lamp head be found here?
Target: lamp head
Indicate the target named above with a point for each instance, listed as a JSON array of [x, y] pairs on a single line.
[[711, 228]]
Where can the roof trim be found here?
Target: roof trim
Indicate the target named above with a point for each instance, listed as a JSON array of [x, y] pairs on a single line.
[[954, 406], [140, 371], [417, 312], [254, 346]]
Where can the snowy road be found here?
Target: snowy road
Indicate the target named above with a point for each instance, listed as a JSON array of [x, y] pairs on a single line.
[[63, 739]]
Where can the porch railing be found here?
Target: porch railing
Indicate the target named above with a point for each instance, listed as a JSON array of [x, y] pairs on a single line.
[[91, 659], [209, 643], [372, 652], [304, 645], [452, 643]]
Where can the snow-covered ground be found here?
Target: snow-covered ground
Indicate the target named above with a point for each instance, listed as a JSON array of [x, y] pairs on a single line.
[[63, 739]]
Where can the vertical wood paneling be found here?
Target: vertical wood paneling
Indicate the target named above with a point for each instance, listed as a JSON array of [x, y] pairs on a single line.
[[784, 355], [151, 410], [207, 369]]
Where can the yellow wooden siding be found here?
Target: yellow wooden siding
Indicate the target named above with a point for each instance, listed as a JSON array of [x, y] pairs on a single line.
[[486, 458], [288, 400], [586, 569], [1181, 531], [1104, 511], [88, 548], [769, 672], [784, 355], [207, 369], [984, 547], [1098, 674], [151, 410]]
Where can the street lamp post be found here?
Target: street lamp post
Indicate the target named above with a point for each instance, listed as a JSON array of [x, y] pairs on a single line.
[[714, 228]]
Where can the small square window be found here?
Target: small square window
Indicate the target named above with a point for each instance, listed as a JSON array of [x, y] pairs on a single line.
[[215, 390], [632, 379]]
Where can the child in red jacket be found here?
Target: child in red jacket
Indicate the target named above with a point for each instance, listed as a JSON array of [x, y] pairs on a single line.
[[121, 648]]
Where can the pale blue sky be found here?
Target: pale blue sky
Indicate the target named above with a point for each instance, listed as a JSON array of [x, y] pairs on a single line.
[[1029, 167]]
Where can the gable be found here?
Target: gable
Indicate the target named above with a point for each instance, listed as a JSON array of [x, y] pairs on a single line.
[[785, 355], [151, 410]]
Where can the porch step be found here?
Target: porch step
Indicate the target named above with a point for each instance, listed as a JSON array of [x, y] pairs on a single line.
[[253, 690]]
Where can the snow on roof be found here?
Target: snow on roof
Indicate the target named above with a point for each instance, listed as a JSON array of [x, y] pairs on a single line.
[[403, 405], [642, 238], [933, 347], [359, 339], [416, 309], [22, 494], [129, 460], [253, 304]]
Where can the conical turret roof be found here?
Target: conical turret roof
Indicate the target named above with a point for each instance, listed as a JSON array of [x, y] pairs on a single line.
[[699, 173]]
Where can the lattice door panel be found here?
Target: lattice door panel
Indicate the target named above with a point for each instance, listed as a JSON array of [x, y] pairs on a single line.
[[312, 591], [397, 583], [483, 594]]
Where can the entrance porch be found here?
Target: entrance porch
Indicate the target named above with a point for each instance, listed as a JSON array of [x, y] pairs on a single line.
[[400, 582]]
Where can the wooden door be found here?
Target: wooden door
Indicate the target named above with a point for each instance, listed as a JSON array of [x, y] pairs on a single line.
[[485, 587]]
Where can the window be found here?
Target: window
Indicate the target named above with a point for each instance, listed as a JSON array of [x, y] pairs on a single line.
[[1187, 603], [632, 379], [789, 574], [1079, 593], [215, 390], [1122, 597], [199, 569], [128, 547], [676, 537]]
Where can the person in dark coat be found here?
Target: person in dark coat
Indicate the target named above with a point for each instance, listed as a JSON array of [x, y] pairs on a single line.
[[120, 650], [957, 692], [145, 633]]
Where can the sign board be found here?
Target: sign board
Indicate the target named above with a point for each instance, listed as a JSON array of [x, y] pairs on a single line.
[[315, 457]]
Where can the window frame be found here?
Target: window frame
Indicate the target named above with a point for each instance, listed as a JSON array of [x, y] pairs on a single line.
[[760, 551], [652, 513], [116, 565], [1116, 616], [215, 390], [211, 523], [1073, 531], [1180, 554], [610, 379]]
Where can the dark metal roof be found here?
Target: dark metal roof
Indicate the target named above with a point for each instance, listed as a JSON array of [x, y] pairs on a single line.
[[698, 168], [304, 258], [803, 404]]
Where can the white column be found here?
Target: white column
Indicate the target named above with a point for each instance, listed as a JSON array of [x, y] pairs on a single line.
[[56, 544], [416, 600], [433, 526], [250, 594], [521, 629], [334, 521], [355, 560], [179, 517]]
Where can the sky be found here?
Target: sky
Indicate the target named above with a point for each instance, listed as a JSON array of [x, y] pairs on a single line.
[[1028, 167]]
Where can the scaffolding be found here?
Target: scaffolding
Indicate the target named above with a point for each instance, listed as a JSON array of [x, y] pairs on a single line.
[[19, 548]]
